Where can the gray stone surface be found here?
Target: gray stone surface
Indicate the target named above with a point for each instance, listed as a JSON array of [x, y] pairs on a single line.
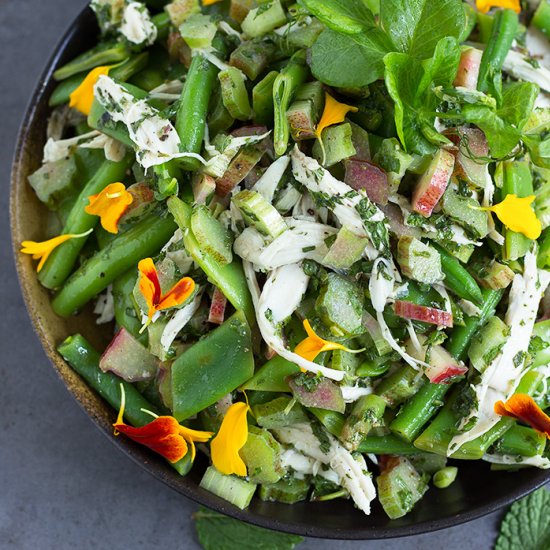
[[62, 484]]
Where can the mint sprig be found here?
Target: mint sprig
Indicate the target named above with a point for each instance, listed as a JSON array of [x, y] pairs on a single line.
[[218, 532], [527, 524]]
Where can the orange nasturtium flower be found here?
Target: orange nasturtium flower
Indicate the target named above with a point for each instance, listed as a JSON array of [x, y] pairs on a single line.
[[210, 2], [83, 97], [313, 345], [485, 5], [110, 205], [523, 407], [518, 215], [334, 113], [164, 435], [231, 438], [149, 286], [41, 251]]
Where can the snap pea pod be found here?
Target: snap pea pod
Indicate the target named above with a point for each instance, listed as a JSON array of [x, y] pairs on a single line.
[[287, 82], [228, 278], [416, 412], [457, 278], [503, 33], [102, 54], [122, 72], [144, 239], [84, 359], [517, 180], [193, 109], [125, 313], [262, 99], [62, 260]]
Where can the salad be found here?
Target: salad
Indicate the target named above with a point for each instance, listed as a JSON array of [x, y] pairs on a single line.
[[320, 232]]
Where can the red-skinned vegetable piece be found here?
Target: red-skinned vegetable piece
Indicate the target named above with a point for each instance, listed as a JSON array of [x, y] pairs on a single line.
[[369, 177], [432, 185], [217, 307], [431, 315]]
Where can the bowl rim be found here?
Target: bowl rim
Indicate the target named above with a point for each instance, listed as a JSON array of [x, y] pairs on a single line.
[[160, 470]]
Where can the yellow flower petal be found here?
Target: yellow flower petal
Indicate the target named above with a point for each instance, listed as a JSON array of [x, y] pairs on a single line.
[[210, 2], [518, 215], [313, 345], [83, 97], [334, 113], [110, 205], [192, 436], [485, 5], [231, 438], [42, 250]]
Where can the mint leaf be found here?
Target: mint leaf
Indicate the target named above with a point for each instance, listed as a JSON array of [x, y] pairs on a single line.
[[527, 524], [410, 84], [346, 16], [416, 26], [503, 126], [349, 60], [518, 101], [218, 532], [351, 53]]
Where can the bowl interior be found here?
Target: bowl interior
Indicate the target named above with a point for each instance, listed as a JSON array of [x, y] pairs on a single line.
[[476, 492]]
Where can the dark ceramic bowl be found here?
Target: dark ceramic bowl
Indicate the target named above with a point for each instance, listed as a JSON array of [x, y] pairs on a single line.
[[477, 491]]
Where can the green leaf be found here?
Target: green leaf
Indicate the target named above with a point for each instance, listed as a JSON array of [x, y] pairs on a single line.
[[349, 60], [518, 101], [416, 26], [501, 136], [346, 16], [411, 84], [441, 69], [218, 532], [527, 524]]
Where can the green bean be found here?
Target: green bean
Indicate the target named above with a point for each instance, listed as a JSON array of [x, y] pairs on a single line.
[[517, 180], [504, 31], [437, 437], [62, 260], [193, 109], [84, 359], [460, 338], [386, 445], [262, 99], [445, 477], [520, 441], [333, 421], [102, 54], [144, 239], [125, 312], [289, 80], [162, 23], [122, 72], [416, 412], [457, 278]]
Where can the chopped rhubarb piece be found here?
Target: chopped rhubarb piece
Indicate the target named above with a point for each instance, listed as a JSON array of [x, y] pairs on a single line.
[[432, 185], [217, 307], [468, 69], [369, 177], [426, 314]]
